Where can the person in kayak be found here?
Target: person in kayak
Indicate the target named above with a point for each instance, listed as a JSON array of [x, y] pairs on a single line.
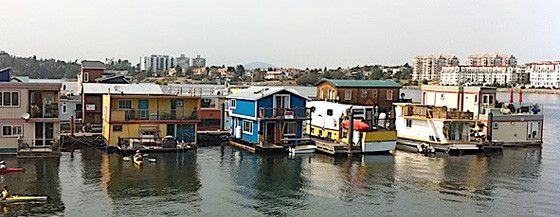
[[5, 192], [138, 155], [2, 165]]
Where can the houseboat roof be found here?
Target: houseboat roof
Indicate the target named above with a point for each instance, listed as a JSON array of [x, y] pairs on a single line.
[[256, 93], [361, 83], [92, 64], [99, 88], [476, 89]]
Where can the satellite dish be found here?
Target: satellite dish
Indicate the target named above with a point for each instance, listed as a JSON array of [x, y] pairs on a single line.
[[26, 116], [118, 88]]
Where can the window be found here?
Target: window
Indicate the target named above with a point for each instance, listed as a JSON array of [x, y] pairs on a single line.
[[125, 104], [331, 94], [117, 128], [208, 103], [248, 127], [9, 98], [389, 95], [329, 112], [475, 98], [491, 99], [233, 103], [290, 128], [281, 101], [408, 123], [347, 94], [321, 96], [64, 108], [364, 93], [442, 96], [86, 77], [12, 130]]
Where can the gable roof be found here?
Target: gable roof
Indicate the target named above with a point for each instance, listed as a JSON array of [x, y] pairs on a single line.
[[116, 79], [22, 79], [361, 83], [256, 93], [101, 88], [5, 74]]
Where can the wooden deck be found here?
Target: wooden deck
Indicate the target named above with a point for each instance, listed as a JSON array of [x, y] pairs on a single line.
[[253, 148], [334, 148]]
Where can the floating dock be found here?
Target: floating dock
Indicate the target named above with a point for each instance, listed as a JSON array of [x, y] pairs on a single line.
[[334, 148]]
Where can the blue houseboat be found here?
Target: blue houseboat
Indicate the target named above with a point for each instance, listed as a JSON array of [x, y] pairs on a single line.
[[268, 118]]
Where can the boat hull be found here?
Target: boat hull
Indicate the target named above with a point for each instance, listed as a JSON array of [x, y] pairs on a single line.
[[306, 149], [378, 146]]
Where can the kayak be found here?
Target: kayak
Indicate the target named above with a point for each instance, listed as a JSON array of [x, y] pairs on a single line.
[[22, 199], [138, 160], [12, 170], [358, 125]]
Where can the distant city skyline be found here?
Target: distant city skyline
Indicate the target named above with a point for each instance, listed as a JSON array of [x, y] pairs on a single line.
[[314, 33]]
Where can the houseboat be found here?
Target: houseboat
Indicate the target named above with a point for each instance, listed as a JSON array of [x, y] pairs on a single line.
[[150, 122], [428, 128], [29, 117], [268, 119], [373, 131], [507, 124]]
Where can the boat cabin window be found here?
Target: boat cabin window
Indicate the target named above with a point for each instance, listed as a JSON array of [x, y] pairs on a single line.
[[389, 95], [233, 103], [248, 127], [208, 103], [329, 112], [117, 128], [125, 104], [281, 101], [364, 93], [408, 123]]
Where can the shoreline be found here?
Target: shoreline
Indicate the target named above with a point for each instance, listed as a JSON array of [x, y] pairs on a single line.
[[528, 90]]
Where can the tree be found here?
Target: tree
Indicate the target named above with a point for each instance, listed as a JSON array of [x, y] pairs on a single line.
[[307, 79]]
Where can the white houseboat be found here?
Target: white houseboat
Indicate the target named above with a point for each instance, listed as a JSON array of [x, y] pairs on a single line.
[[429, 128]]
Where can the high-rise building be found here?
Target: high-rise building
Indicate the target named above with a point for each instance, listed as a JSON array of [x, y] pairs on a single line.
[[183, 61], [198, 61], [478, 75], [157, 63], [429, 67]]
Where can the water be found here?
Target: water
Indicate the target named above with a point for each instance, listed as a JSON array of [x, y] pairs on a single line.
[[225, 181]]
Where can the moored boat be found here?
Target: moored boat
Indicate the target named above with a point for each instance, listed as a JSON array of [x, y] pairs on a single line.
[[302, 149], [139, 160]]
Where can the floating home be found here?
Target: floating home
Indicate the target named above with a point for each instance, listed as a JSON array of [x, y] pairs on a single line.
[[368, 102], [150, 122], [427, 128], [268, 118], [505, 123], [29, 117]]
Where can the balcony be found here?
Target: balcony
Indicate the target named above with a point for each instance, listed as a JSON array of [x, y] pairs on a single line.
[[435, 112], [154, 114], [44, 111], [284, 113]]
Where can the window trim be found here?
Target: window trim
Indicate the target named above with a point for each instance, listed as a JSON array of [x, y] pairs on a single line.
[[275, 105], [347, 94], [248, 123], [11, 94], [64, 108], [86, 76], [389, 94], [12, 131], [123, 100], [233, 103], [286, 128]]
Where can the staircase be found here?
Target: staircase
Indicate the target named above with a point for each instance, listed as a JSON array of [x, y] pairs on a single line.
[[433, 126]]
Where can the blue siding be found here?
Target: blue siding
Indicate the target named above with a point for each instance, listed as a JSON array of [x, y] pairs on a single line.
[[248, 137], [244, 107]]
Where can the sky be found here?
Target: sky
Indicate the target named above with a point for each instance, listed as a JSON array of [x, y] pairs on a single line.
[[286, 33]]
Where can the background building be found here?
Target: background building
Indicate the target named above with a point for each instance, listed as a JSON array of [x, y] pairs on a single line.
[[545, 74], [491, 60], [183, 62], [429, 67], [478, 75], [198, 61], [157, 63]]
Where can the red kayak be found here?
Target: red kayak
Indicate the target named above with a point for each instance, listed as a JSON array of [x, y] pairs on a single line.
[[358, 125], [12, 170]]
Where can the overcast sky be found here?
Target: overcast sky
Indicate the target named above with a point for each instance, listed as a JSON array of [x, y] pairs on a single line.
[[288, 33]]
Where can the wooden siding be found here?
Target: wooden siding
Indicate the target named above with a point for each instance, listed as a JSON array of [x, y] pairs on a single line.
[[373, 96]]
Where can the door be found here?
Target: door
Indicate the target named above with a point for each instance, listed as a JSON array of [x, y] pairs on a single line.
[[143, 109], [270, 132], [44, 134]]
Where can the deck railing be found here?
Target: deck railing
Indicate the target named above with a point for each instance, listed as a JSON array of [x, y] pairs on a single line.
[[154, 114], [44, 111], [284, 113], [435, 112], [32, 145]]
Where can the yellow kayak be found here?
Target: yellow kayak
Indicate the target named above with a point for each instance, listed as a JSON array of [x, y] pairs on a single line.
[[138, 160], [22, 198]]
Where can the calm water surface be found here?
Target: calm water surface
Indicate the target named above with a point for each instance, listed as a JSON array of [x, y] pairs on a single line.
[[224, 181]]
